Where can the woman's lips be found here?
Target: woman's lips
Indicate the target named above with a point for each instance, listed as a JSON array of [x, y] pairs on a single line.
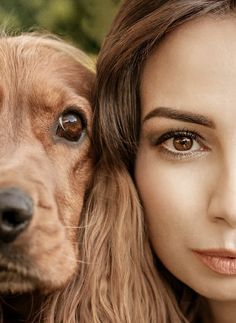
[[221, 261]]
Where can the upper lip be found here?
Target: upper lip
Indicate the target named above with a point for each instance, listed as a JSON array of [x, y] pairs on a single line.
[[217, 252], [9, 266]]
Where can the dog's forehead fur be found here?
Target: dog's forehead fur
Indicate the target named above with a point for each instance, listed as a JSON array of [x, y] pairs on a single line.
[[40, 68]]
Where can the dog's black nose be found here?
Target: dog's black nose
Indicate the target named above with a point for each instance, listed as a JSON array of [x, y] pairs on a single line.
[[16, 211]]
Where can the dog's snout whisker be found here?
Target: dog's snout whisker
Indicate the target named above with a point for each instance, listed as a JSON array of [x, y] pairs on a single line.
[[80, 226], [16, 211], [44, 206]]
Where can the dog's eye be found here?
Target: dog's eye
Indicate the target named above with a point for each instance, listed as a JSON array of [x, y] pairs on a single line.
[[70, 126]]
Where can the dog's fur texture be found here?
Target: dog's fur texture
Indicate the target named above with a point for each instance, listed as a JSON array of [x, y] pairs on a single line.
[[40, 78]]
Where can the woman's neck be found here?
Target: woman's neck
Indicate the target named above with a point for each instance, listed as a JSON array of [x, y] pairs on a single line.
[[220, 311]]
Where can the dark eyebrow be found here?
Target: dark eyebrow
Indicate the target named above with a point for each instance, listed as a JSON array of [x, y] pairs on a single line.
[[170, 113]]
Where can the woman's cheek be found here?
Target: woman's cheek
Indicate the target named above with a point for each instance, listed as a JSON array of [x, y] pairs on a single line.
[[174, 195]]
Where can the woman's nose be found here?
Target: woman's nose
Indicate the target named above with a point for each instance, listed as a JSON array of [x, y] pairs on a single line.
[[222, 202]]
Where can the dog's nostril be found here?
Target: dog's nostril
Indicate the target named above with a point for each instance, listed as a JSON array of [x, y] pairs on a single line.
[[12, 218], [16, 211]]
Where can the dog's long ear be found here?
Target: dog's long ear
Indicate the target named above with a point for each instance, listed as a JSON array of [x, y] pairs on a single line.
[[113, 243]]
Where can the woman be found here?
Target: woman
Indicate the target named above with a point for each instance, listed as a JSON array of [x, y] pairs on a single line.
[[164, 123]]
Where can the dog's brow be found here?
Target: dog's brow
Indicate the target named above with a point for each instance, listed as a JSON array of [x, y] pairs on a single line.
[[47, 101]]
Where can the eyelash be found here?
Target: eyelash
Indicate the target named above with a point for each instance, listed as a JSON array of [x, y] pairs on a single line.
[[184, 133]]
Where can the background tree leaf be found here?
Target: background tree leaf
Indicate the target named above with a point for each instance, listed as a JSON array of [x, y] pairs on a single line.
[[85, 22]]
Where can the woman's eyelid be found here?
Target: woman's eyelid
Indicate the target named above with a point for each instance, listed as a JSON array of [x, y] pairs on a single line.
[[158, 137], [178, 133]]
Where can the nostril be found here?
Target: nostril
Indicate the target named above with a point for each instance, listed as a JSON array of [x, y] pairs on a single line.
[[13, 218], [16, 211]]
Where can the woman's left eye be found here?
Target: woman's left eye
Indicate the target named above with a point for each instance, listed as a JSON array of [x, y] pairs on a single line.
[[181, 144]]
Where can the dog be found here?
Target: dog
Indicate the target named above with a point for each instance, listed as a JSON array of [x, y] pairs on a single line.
[[45, 168]]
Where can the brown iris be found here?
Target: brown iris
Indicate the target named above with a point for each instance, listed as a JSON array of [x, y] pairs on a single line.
[[70, 126], [182, 143]]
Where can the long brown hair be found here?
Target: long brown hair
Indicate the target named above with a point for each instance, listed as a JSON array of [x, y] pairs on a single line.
[[120, 281]]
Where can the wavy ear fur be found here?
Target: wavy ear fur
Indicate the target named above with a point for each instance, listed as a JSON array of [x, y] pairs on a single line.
[[117, 281]]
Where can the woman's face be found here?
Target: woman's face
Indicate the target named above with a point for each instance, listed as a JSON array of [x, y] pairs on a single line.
[[186, 164]]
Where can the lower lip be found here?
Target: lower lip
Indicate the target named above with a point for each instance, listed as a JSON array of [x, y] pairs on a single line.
[[220, 265]]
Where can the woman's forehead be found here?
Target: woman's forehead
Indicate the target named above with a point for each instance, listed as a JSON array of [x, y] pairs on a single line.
[[194, 66], [205, 41]]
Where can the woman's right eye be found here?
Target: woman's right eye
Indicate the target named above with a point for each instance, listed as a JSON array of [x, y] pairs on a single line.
[[181, 144]]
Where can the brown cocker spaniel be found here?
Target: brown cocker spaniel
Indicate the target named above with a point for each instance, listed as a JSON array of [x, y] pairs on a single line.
[[45, 167]]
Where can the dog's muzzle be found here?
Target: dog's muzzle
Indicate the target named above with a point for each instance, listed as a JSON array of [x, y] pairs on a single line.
[[16, 212]]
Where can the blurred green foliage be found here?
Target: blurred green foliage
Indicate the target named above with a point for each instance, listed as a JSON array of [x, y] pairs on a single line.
[[85, 22]]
